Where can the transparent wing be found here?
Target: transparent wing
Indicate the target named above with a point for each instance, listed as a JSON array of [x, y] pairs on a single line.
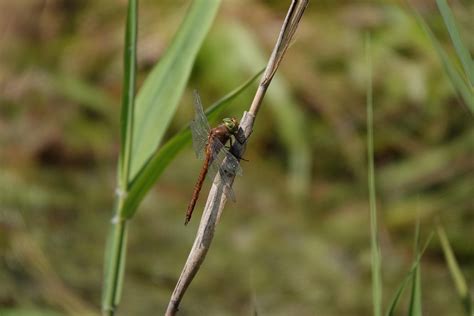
[[226, 164], [199, 127]]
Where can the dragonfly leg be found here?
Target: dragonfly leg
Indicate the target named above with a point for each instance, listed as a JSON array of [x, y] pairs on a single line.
[[230, 149], [240, 138], [243, 159]]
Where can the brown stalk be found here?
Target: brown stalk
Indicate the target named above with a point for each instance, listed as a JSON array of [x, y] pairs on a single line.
[[216, 199]]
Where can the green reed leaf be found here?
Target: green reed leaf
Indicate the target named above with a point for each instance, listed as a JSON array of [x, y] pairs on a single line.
[[158, 98]]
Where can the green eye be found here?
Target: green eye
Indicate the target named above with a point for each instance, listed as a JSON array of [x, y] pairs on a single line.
[[231, 124]]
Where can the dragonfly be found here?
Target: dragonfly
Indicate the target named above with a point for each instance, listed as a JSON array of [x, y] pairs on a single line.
[[209, 145]]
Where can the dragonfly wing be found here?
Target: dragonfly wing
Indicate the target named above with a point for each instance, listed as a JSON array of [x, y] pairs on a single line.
[[216, 160], [199, 127], [228, 170], [227, 165], [199, 140], [199, 111]]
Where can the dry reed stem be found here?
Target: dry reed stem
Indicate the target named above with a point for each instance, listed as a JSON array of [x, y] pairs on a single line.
[[216, 199]]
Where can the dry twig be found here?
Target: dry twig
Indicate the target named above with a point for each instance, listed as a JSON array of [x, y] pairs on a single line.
[[217, 199]]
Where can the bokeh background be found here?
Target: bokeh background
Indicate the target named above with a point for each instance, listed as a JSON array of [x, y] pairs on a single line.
[[297, 240]]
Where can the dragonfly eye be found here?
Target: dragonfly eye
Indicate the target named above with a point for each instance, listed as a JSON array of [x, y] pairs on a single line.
[[231, 124]]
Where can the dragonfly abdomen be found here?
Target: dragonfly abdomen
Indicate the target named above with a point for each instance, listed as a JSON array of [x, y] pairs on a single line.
[[198, 186], [217, 138]]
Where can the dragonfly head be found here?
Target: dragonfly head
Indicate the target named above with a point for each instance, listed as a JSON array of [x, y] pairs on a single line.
[[232, 124]]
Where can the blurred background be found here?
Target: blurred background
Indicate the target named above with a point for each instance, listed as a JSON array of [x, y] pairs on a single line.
[[297, 241]]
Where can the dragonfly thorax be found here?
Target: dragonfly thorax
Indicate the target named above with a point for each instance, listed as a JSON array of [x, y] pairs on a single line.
[[231, 124]]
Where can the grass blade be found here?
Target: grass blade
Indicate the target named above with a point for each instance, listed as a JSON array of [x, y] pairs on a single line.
[[398, 294], [374, 240], [144, 122], [461, 49], [147, 177], [128, 95], [408, 277], [158, 99], [458, 82], [455, 270], [415, 298]]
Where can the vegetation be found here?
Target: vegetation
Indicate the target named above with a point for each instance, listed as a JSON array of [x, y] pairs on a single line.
[[300, 238]]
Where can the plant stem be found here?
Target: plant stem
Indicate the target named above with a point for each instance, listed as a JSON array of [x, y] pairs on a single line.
[[374, 235], [115, 260], [216, 199], [117, 239], [288, 29]]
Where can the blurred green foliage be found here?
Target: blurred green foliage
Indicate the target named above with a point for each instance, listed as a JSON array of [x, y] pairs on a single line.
[[275, 251]]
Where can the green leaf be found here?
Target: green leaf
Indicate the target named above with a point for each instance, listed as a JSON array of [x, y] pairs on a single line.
[[461, 49], [408, 277], [398, 294], [158, 99], [455, 270], [147, 177], [415, 298], [128, 95], [457, 80], [374, 240]]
